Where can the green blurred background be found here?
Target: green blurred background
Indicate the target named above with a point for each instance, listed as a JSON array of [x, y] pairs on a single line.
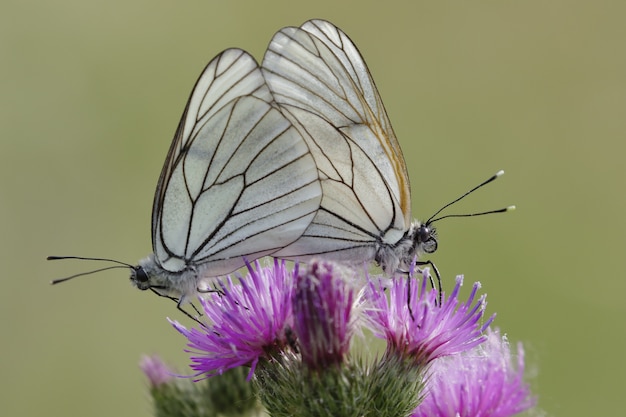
[[92, 93]]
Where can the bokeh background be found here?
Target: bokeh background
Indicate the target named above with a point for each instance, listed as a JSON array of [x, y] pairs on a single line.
[[91, 93]]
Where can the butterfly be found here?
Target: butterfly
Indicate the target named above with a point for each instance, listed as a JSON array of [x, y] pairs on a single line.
[[323, 86], [238, 183]]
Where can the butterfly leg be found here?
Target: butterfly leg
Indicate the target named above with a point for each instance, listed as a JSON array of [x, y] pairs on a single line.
[[221, 292], [432, 281], [179, 306]]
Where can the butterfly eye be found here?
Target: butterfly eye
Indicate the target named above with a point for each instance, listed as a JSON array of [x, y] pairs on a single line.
[[140, 279], [139, 275]]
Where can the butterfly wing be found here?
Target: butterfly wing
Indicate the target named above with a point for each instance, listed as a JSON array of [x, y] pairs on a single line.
[[238, 180], [322, 84]]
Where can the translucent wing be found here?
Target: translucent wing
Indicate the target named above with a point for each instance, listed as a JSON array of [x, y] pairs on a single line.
[[322, 84], [238, 181]]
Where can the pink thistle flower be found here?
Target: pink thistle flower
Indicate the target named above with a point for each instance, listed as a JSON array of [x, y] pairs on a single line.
[[426, 330], [487, 381], [323, 307], [156, 370], [245, 322]]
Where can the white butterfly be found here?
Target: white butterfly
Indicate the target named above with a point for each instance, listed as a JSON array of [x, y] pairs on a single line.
[[321, 83], [319, 79], [238, 182]]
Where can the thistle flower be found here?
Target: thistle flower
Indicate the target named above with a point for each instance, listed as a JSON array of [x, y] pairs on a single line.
[[171, 397], [323, 378], [245, 322], [485, 382], [424, 330], [156, 370], [293, 329], [323, 315]]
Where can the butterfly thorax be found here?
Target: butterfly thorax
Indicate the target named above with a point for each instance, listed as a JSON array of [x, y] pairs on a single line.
[[420, 238]]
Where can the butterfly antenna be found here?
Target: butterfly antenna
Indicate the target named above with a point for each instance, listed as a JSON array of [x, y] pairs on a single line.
[[482, 184], [81, 258], [482, 213], [120, 265]]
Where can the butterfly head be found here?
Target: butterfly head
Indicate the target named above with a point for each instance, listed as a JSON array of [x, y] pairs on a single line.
[[150, 275], [424, 239], [139, 278], [420, 238]]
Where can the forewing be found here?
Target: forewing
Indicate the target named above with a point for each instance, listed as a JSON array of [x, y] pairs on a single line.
[[316, 73], [238, 181]]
